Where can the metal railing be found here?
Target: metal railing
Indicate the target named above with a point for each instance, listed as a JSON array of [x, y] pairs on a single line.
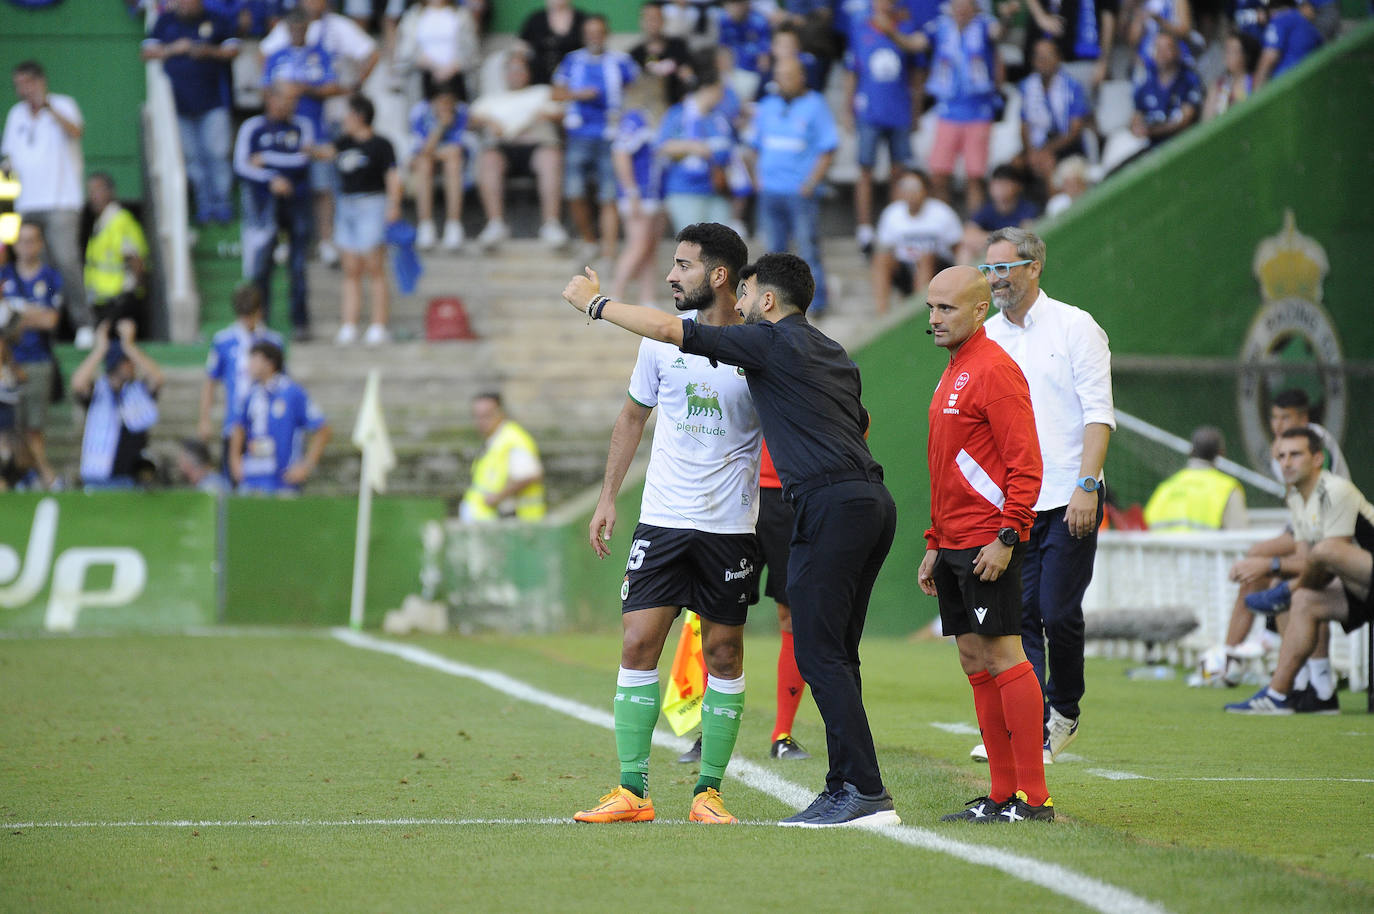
[[167, 194]]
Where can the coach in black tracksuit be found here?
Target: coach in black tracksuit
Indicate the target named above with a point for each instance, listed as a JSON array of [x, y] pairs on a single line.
[[806, 391]]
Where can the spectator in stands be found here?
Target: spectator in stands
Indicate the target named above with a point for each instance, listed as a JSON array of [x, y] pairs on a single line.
[[1238, 81], [1199, 496], [16, 465], [787, 43], [639, 189], [195, 47], [690, 20], [121, 408], [663, 57], [507, 476], [42, 146], [1161, 17], [268, 452], [1288, 39], [309, 69], [1071, 181], [272, 158], [550, 35], [915, 239], [33, 289], [436, 133], [1054, 110], [591, 79], [795, 137], [439, 38], [371, 198], [1292, 408], [965, 75], [517, 132], [1324, 14], [227, 364], [1169, 99], [745, 31], [880, 103], [1084, 33], [1007, 207], [1333, 528], [694, 146], [353, 54], [116, 255], [197, 469]]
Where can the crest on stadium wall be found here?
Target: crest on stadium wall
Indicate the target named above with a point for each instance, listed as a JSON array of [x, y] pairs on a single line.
[[1292, 341]]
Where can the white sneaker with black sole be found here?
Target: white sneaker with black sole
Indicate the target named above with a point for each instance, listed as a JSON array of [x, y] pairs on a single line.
[[1063, 730]]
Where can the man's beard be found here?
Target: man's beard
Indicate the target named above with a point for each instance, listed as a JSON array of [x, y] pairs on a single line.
[[699, 300]]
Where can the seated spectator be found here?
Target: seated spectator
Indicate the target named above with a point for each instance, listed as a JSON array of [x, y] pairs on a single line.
[[197, 469], [745, 31], [268, 454], [507, 476], [1238, 81], [116, 255], [33, 289], [786, 42], [272, 159], [371, 198], [1007, 207], [1169, 99], [663, 57], [1249, 17], [1199, 496], [591, 80], [436, 134], [915, 239], [549, 35], [1071, 181], [1054, 110], [195, 47], [16, 465], [121, 408], [1288, 39], [1084, 34], [309, 69], [1161, 17], [227, 364], [690, 20], [639, 190], [517, 132], [1324, 14], [439, 39], [41, 144], [693, 146]]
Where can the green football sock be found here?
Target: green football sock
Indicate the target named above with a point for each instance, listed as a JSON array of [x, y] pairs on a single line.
[[636, 712], [721, 713]]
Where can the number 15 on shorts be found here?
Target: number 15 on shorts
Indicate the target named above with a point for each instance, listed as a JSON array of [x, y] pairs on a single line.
[[637, 550]]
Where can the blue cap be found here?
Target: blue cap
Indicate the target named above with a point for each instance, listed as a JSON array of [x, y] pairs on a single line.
[[114, 357]]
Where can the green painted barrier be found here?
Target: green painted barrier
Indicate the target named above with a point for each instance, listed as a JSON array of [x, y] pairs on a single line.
[[106, 561]]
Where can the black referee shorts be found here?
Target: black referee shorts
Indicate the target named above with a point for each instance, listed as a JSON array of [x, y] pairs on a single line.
[[713, 574], [776, 520], [968, 605]]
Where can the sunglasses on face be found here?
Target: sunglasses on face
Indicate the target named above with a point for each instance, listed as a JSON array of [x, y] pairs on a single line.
[[1002, 270]]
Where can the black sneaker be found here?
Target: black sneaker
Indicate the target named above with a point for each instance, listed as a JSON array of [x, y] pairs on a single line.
[[819, 807], [1307, 702], [1018, 809], [788, 748], [691, 755], [853, 808], [981, 810]]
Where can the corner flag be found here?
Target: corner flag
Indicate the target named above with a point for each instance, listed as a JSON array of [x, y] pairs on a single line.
[[687, 681], [369, 435]]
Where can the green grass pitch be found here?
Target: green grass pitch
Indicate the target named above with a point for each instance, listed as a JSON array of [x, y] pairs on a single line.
[[289, 771]]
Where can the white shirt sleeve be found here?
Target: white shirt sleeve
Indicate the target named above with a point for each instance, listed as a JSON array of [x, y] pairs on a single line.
[[354, 43], [524, 465], [66, 106], [7, 138], [276, 39], [645, 377], [1092, 370], [1234, 516], [951, 228]]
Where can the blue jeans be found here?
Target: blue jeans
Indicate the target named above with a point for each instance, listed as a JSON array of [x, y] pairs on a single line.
[[263, 215], [205, 141], [787, 217], [1054, 576]]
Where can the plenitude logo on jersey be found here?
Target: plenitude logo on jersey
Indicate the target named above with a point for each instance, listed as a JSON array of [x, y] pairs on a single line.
[[703, 403]]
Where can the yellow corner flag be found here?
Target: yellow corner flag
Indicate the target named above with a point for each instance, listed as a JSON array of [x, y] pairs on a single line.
[[370, 436], [687, 681]]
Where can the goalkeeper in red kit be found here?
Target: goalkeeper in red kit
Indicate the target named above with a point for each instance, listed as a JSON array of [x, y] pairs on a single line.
[[985, 471]]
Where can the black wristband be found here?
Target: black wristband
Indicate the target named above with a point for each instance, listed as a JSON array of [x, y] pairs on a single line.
[[601, 303]]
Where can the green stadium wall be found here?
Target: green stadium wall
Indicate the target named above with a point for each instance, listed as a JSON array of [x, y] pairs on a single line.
[[89, 49]]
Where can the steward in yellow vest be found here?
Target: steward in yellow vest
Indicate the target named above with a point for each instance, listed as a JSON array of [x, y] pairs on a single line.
[[117, 253], [507, 476], [1199, 496]]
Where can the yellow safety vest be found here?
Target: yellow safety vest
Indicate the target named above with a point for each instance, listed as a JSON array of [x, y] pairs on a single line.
[[491, 472], [115, 237], [1194, 498]]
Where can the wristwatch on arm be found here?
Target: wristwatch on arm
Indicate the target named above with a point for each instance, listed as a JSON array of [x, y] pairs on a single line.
[[1089, 484], [1008, 536]]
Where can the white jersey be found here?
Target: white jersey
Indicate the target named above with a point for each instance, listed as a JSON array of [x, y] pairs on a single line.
[[704, 467]]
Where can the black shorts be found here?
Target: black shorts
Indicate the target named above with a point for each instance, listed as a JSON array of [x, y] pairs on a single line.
[[962, 595], [713, 574], [1358, 611], [776, 520]]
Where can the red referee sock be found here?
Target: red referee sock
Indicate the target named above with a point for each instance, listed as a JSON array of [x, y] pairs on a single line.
[[987, 704], [1023, 709], [790, 688]]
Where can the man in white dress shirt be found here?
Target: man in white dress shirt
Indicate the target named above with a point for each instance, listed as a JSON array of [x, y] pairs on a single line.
[[1064, 356]]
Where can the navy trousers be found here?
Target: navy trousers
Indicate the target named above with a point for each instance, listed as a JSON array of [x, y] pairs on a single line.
[[842, 535], [1054, 576]]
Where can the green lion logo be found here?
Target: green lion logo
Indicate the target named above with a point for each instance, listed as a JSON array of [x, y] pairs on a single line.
[[703, 401]]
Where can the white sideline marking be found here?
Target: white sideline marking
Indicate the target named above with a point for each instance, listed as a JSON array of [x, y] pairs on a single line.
[[1089, 892], [1131, 776], [275, 823], [961, 728]]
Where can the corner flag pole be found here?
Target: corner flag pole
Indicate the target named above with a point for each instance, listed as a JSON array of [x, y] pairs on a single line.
[[369, 435], [360, 542]]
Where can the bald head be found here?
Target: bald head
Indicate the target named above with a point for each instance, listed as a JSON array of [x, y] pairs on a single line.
[[963, 283], [958, 300]]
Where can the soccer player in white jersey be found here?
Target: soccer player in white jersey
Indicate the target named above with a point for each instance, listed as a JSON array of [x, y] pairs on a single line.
[[694, 545]]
